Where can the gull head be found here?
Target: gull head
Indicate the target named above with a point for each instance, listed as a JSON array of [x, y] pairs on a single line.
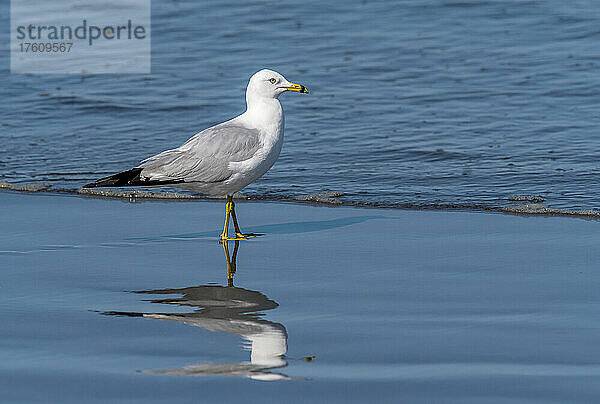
[[270, 84]]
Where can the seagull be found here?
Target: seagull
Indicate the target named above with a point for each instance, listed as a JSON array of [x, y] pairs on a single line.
[[224, 158]]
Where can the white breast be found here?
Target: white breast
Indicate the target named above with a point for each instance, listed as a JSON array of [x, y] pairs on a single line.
[[268, 119]]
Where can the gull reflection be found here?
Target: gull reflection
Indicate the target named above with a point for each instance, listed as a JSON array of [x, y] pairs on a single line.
[[232, 310]]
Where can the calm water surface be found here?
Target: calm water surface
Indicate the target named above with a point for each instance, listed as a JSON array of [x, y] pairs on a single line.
[[104, 301], [413, 102]]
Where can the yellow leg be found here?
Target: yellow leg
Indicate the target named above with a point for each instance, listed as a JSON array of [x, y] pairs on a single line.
[[238, 232], [226, 227], [230, 210]]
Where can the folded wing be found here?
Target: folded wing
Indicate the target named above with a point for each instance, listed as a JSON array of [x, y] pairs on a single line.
[[205, 157]]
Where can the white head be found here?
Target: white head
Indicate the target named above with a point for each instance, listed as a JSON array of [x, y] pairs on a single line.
[[270, 84]]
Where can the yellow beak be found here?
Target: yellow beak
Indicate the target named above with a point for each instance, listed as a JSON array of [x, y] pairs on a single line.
[[297, 87]]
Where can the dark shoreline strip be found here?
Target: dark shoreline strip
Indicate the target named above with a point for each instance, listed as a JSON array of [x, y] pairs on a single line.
[[329, 199]]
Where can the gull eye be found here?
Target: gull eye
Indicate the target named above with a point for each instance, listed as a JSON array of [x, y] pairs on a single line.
[[272, 80]]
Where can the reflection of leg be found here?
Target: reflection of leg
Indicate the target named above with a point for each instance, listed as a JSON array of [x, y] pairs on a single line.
[[238, 232], [230, 266], [234, 256]]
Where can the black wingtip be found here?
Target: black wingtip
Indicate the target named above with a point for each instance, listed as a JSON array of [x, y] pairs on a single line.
[[129, 177]]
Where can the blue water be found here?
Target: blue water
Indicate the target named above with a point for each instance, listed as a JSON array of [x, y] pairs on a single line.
[[424, 102], [111, 302]]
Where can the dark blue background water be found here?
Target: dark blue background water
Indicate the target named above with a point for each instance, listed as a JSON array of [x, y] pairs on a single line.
[[413, 102]]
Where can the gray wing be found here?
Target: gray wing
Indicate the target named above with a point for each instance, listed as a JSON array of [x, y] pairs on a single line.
[[205, 157]]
